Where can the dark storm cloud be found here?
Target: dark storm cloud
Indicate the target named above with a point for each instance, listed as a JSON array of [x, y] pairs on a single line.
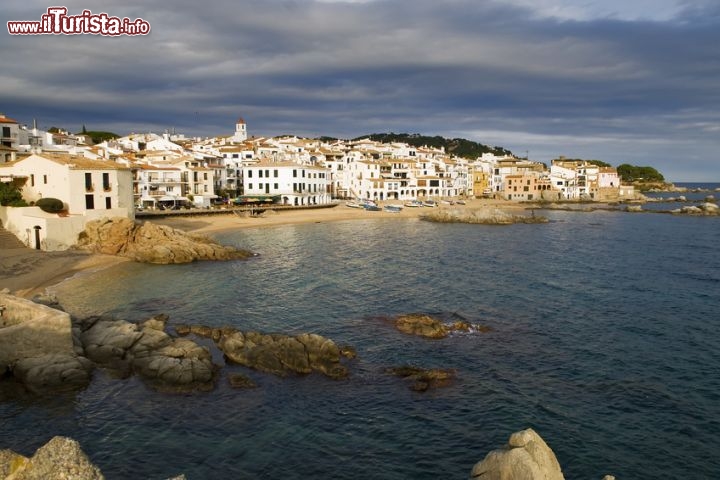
[[639, 91]]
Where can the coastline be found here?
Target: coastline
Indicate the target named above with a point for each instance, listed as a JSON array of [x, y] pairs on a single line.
[[27, 272], [231, 221]]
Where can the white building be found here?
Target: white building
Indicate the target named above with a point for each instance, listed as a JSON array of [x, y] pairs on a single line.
[[81, 184], [9, 130], [286, 183], [89, 189]]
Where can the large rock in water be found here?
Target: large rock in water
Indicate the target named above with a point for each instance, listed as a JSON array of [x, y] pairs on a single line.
[[281, 354], [167, 363], [525, 457], [151, 243], [59, 459]]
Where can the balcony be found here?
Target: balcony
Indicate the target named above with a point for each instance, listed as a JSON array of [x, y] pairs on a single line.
[[89, 187]]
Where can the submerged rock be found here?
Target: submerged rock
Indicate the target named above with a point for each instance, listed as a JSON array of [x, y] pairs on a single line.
[[427, 326], [421, 325], [525, 457], [423, 378], [151, 243], [482, 216]]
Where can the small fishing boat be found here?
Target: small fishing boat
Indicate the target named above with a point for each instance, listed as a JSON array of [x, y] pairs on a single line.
[[430, 203], [371, 207], [393, 208], [354, 205], [413, 204]]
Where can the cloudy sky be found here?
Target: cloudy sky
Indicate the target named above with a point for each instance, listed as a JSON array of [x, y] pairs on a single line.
[[624, 81]]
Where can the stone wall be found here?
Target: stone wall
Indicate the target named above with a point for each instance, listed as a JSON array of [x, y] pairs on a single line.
[[28, 330]]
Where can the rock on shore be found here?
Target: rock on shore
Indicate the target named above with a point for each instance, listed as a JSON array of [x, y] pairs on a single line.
[[151, 243], [59, 459]]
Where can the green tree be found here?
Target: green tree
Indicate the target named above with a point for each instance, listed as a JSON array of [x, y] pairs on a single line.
[[633, 173], [11, 196]]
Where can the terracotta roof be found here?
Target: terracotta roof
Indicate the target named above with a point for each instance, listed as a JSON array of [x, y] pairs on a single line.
[[4, 119], [240, 120], [79, 163]]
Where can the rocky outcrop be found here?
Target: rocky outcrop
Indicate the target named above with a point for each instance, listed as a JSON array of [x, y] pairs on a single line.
[[54, 371], [424, 325], [151, 243], [423, 378], [166, 363], [525, 457], [278, 354], [59, 459], [706, 208], [482, 216]]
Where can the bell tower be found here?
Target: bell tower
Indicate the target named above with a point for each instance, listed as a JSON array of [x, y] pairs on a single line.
[[240, 131]]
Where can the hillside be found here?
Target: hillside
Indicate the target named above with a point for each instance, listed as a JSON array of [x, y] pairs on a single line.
[[459, 147]]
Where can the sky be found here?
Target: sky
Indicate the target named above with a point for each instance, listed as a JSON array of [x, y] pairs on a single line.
[[632, 81]]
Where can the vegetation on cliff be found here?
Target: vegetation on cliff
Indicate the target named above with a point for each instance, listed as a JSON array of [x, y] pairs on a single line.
[[460, 147]]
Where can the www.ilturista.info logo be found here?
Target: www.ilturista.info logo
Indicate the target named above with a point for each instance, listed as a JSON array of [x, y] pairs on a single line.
[[57, 22]]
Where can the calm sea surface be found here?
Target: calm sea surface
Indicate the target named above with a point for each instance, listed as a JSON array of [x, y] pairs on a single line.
[[605, 340]]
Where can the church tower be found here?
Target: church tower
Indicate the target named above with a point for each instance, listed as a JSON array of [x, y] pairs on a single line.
[[240, 131]]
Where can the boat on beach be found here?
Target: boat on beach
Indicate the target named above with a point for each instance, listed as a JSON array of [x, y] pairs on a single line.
[[413, 204], [429, 203], [353, 205], [393, 208]]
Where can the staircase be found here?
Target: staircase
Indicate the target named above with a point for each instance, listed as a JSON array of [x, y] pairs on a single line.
[[8, 240]]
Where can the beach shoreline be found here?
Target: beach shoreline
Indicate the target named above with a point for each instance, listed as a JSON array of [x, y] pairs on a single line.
[[27, 272]]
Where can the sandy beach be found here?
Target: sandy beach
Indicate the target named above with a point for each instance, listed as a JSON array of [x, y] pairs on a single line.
[[217, 223], [27, 272]]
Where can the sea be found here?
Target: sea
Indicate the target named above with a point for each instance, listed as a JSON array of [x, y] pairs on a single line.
[[605, 339]]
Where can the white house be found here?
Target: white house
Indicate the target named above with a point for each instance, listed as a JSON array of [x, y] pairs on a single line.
[[287, 183], [89, 189], [9, 130]]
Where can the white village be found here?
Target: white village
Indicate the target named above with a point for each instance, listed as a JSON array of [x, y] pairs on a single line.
[[150, 171]]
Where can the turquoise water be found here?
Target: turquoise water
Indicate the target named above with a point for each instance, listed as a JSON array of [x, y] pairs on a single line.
[[605, 340]]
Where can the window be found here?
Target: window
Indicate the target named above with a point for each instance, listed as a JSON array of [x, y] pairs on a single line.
[[108, 203], [267, 173], [89, 202], [45, 179], [275, 174], [294, 173], [32, 180], [249, 173], [275, 186], [205, 176], [249, 186], [260, 173], [106, 181]]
